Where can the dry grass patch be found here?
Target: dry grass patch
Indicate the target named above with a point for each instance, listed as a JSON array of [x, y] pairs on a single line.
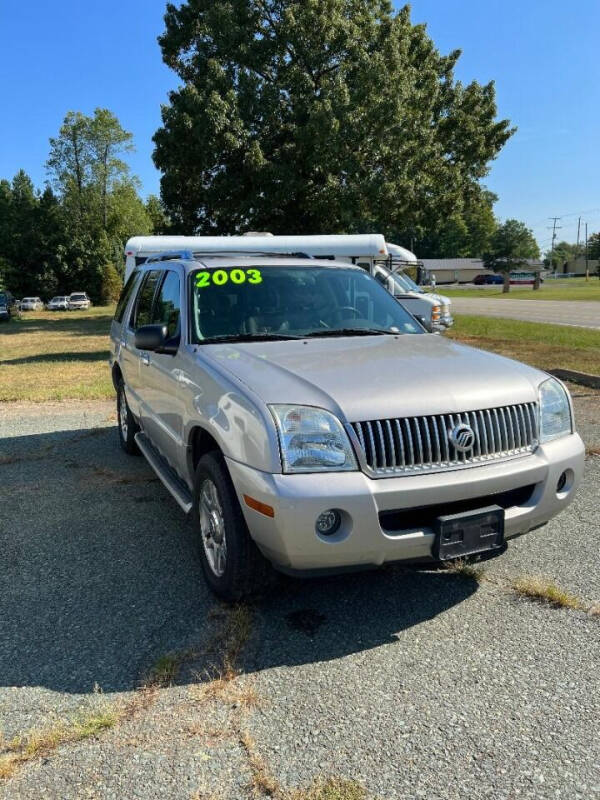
[[330, 789], [39, 743], [263, 782], [546, 591], [592, 450], [56, 356], [464, 569]]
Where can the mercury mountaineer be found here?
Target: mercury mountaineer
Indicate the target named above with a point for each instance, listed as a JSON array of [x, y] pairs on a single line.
[[307, 421]]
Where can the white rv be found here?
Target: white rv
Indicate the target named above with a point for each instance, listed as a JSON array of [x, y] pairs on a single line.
[[383, 260]]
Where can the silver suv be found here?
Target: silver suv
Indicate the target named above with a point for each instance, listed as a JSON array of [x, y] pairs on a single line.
[[306, 419]]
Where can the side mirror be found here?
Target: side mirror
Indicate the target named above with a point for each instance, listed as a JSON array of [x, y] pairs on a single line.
[[426, 323], [155, 339]]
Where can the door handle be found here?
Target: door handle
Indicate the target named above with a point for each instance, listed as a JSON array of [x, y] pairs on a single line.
[[145, 359]]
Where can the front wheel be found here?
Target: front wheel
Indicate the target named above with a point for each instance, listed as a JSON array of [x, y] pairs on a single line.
[[128, 427], [232, 564]]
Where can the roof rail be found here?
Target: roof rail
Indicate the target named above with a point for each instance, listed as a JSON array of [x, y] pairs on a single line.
[[169, 256], [224, 253]]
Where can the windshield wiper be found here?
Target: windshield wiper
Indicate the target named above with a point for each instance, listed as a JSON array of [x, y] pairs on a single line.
[[350, 332], [248, 337]]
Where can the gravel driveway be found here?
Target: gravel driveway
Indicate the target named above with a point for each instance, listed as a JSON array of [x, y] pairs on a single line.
[[582, 314], [411, 683]]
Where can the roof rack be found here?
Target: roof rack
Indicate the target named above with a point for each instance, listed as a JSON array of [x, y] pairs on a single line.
[[169, 256], [225, 253]]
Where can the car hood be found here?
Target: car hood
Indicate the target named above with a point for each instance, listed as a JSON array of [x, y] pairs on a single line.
[[378, 377]]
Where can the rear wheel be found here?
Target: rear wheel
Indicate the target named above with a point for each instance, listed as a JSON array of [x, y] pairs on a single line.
[[128, 427], [232, 564]]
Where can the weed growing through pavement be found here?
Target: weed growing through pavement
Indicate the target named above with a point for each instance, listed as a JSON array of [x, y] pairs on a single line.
[[38, 743], [545, 591], [466, 570]]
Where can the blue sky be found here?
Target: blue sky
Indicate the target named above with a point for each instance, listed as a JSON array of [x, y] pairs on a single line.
[[542, 55]]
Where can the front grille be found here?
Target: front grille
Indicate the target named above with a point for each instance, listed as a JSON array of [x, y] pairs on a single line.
[[418, 444]]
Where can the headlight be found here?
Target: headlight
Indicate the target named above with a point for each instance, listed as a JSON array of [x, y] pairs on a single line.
[[555, 411], [312, 440]]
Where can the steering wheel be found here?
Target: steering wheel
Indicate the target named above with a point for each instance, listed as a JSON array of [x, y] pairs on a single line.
[[354, 310]]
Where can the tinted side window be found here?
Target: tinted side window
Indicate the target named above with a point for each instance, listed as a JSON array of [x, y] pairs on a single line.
[[142, 310], [124, 298], [167, 308]]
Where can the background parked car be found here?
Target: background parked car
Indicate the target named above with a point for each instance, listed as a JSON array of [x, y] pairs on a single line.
[[32, 304], [78, 300], [479, 280], [8, 305], [59, 303]]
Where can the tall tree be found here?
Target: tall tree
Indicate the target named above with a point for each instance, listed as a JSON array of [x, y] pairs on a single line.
[[511, 245], [69, 162], [85, 165], [107, 140], [329, 115]]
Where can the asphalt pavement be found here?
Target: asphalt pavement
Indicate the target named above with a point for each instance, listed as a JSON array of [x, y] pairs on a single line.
[[412, 683], [582, 314]]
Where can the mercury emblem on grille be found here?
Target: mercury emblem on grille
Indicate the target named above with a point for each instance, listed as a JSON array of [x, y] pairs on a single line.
[[462, 437]]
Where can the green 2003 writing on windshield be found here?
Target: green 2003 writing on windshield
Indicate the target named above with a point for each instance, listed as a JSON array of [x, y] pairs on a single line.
[[220, 277]]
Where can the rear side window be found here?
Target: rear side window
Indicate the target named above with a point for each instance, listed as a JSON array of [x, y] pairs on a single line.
[[167, 308], [142, 310], [124, 298]]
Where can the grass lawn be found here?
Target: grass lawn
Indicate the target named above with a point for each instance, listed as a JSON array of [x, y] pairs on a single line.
[[569, 289], [544, 346], [63, 355], [56, 355]]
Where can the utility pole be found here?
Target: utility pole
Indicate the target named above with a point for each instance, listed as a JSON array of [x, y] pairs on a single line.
[[555, 228], [587, 269]]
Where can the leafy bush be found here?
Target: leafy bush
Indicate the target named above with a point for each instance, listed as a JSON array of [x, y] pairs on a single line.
[[111, 286]]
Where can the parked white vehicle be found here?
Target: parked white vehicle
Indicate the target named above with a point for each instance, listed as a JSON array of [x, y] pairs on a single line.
[[404, 289], [31, 304], [78, 300], [58, 303], [369, 251]]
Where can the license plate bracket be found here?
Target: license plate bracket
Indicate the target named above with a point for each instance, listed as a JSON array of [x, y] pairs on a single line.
[[468, 533]]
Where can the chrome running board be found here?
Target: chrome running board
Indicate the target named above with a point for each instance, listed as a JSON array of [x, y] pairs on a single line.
[[167, 474]]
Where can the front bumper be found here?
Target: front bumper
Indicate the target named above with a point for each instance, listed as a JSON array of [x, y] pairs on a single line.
[[290, 541]]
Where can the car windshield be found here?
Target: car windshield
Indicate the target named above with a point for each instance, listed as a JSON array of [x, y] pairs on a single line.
[[29, 299], [78, 297], [405, 284], [279, 302]]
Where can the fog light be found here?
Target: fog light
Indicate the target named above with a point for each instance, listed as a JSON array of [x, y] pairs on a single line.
[[562, 481], [328, 522]]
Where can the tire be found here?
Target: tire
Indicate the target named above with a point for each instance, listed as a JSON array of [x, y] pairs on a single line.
[[241, 570], [126, 423]]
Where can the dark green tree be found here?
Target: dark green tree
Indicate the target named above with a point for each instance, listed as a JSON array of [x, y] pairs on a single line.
[[466, 233], [329, 115], [510, 247], [563, 252], [158, 217], [593, 246]]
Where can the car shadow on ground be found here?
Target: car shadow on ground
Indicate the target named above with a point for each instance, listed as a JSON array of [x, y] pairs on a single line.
[[49, 358], [71, 323], [100, 576]]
